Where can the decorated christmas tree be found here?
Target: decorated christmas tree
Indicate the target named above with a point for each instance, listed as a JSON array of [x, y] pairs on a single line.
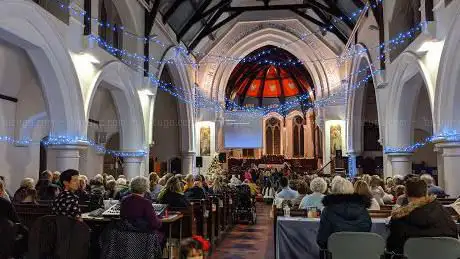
[[215, 168]]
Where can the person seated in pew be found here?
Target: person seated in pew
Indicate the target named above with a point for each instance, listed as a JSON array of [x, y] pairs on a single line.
[[47, 191], [26, 194], [172, 194], [362, 188], [433, 189], [155, 188], [218, 186], [318, 186], [423, 216], [188, 182], [193, 248], [82, 194], [137, 210], [286, 195], [196, 192], [66, 203], [7, 210], [343, 210]]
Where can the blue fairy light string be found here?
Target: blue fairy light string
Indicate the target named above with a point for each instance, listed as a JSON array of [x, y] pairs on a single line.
[[154, 38], [331, 99], [73, 140], [445, 136]]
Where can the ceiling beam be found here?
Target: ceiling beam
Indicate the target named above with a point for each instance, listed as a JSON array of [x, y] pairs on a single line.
[[195, 17], [340, 34], [204, 31], [171, 10], [246, 87], [309, 18], [282, 97], [333, 5], [309, 4], [261, 91]]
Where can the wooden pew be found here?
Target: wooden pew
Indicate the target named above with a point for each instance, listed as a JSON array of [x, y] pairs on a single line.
[[211, 221], [188, 223], [386, 207], [199, 211], [380, 213]]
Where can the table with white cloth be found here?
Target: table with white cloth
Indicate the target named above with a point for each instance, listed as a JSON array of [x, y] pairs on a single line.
[[296, 236]]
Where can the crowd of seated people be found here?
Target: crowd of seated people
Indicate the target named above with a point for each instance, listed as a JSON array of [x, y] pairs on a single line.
[[346, 205]]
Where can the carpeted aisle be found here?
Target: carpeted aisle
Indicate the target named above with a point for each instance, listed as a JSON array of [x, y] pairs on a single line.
[[249, 241]]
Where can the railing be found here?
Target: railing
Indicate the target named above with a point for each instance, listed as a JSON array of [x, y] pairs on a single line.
[[58, 8], [331, 162]]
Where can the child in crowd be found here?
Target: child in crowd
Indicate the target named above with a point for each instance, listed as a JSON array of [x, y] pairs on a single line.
[[194, 248]]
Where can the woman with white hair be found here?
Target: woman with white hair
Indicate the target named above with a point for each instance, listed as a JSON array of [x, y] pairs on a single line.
[[343, 211], [136, 209], [318, 186], [26, 192]]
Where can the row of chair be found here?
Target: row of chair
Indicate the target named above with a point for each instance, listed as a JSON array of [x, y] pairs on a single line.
[[345, 245]]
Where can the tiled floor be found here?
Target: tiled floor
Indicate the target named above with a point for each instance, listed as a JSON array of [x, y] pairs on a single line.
[[249, 241]]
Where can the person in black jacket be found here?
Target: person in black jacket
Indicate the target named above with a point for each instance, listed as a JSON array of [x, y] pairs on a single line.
[[422, 217], [343, 211], [196, 192], [172, 194]]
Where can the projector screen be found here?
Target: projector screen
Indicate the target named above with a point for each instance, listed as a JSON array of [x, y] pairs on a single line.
[[242, 130]]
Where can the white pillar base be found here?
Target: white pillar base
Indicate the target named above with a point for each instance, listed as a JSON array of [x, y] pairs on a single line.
[[132, 167], [188, 162], [67, 156], [451, 165], [401, 163]]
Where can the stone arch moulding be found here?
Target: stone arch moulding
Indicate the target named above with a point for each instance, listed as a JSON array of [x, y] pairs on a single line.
[[30, 28], [447, 104], [408, 67], [126, 101], [244, 38], [355, 100], [181, 78]]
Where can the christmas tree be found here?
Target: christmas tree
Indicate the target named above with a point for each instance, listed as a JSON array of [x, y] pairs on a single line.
[[215, 168]]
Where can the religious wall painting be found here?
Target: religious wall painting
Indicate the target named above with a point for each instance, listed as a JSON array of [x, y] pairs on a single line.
[[205, 141], [335, 138]]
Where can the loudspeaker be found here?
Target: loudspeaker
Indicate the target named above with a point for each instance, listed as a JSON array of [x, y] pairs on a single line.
[[222, 157], [176, 166], [199, 161]]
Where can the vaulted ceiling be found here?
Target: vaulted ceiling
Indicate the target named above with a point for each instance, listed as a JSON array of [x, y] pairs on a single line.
[[194, 20]]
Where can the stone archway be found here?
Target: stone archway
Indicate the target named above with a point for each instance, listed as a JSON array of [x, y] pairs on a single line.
[[27, 27], [411, 82], [116, 79]]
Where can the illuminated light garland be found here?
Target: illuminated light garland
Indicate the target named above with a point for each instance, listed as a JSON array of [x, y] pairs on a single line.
[[399, 39], [76, 12], [75, 140], [447, 135], [331, 99]]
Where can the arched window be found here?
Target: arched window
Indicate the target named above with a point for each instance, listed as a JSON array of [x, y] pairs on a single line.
[[110, 30], [298, 136], [273, 136]]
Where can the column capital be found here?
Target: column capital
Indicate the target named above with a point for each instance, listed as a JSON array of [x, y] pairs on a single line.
[[80, 146], [188, 153]]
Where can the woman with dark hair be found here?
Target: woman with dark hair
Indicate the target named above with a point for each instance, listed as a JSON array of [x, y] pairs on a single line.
[[47, 191]]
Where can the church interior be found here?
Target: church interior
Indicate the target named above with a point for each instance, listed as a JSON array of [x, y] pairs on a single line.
[[256, 128]]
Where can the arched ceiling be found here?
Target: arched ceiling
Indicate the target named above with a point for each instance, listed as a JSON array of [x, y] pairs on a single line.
[[261, 84], [194, 20]]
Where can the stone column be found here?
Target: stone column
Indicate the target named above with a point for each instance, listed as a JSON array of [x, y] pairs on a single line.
[[67, 156], [401, 163], [188, 162], [132, 166], [440, 165], [451, 166]]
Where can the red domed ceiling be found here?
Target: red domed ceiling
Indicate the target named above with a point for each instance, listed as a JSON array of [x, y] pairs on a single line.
[[259, 80]]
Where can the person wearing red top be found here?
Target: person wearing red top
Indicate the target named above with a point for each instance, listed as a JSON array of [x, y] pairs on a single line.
[[138, 210]]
